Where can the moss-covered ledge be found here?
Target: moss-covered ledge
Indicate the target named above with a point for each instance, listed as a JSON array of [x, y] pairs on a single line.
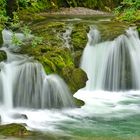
[[16, 130], [75, 77], [79, 36]]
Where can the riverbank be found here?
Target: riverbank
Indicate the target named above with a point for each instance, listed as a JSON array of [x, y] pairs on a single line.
[[76, 11]]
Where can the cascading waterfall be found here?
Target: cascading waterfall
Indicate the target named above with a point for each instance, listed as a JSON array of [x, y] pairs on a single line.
[[24, 83], [112, 65]]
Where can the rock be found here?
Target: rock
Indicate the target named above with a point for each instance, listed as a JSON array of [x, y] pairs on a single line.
[[19, 116], [75, 78], [17, 130], [3, 56], [54, 59], [79, 36], [77, 58], [79, 102], [1, 39]]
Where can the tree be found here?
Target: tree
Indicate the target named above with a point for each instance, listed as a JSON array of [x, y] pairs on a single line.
[[11, 6]]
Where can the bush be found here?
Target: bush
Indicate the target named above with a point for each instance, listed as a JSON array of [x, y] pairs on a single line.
[[128, 10]]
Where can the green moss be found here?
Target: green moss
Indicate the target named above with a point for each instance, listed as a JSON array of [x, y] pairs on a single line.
[[79, 36], [54, 59], [2, 56], [75, 77], [17, 130], [1, 40], [77, 58], [27, 16], [78, 102]]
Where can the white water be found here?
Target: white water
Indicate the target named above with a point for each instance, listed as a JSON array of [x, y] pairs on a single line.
[[112, 65], [103, 105], [66, 37], [25, 84]]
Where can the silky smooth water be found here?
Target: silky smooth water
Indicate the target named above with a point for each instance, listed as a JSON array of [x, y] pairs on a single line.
[[106, 114], [111, 110]]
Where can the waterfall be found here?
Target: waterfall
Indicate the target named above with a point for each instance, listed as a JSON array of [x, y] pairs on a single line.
[[112, 65], [66, 37], [24, 83]]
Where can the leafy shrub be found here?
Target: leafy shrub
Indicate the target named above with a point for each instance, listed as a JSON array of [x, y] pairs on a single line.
[[3, 17], [128, 10]]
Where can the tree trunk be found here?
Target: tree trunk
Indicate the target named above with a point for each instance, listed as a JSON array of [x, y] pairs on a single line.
[[11, 7]]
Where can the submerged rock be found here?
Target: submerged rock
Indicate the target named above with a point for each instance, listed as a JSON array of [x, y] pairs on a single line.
[[19, 116]]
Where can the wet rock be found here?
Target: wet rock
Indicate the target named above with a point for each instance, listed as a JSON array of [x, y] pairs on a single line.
[[17, 130], [79, 36], [1, 39], [77, 58], [19, 116], [3, 56], [75, 78]]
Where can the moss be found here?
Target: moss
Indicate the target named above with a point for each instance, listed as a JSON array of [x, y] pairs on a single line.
[[78, 102], [54, 59], [3, 56], [79, 36], [75, 77], [1, 40], [26, 16], [77, 58], [138, 30], [17, 130], [111, 30]]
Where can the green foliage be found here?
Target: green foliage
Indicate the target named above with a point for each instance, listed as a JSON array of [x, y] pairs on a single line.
[[94, 4], [36, 41], [15, 22], [16, 41], [3, 17], [26, 31], [34, 5], [128, 10]]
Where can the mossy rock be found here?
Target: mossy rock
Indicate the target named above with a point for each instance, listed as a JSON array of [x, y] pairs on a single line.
[[26, 16], [79, 36], [77, 58], [1, 39], [3, 56], [17, 130], [54, 59], [111, 30], [51, 32], [138, 29], [75, 77], [78, 102]]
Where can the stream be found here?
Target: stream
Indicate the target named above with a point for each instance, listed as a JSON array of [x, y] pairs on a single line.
[[111, 110]]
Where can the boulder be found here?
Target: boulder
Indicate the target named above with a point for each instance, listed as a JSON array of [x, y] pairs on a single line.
[[75, 78]]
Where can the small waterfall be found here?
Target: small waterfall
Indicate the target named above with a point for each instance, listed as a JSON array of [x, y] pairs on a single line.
[[24, 83], [6, 76], [66, 37], [55, 93], [112, 65]]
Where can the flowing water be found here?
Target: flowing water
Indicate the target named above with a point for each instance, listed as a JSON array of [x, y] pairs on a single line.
[[111, 96]]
